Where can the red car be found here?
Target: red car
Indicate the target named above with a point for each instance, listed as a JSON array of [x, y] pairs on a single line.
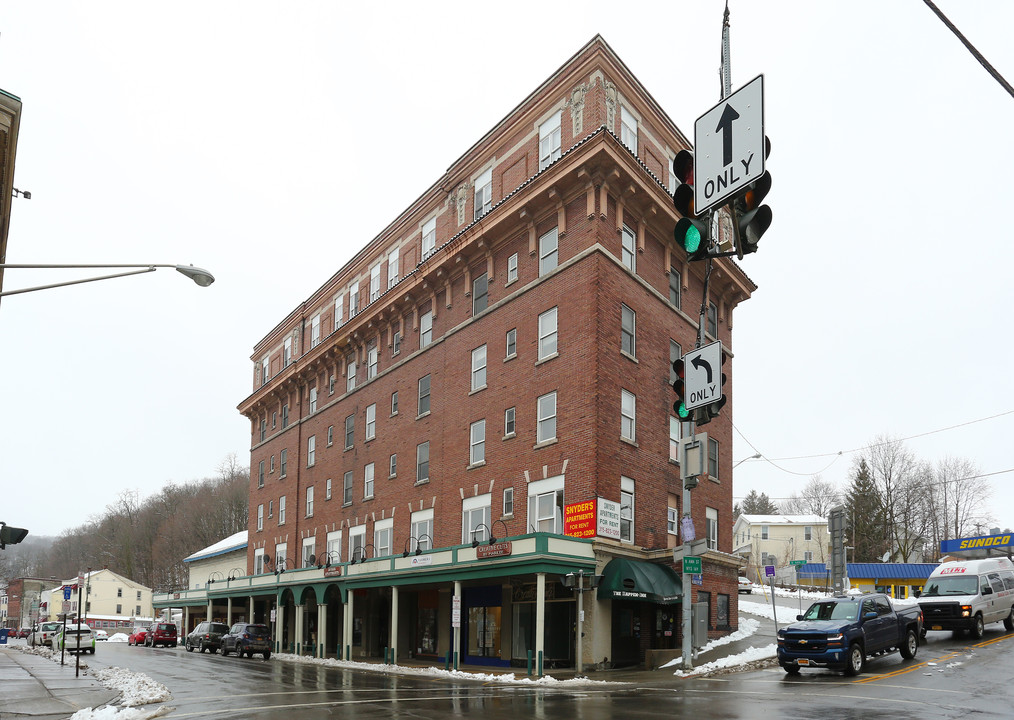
[[24, 632], [138, 636]]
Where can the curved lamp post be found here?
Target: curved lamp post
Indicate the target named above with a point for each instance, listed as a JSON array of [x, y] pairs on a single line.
[[755, 456], [199, 275]]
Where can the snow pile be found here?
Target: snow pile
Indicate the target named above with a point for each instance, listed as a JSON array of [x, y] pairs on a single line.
[[136, 688]]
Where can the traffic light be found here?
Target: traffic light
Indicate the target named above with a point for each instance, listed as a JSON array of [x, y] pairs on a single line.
[[691, 234], [679, 385], [11, 535], [752, 219], [704, 415]]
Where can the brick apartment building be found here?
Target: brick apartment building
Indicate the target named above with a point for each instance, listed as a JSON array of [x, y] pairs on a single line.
[[478, 404]]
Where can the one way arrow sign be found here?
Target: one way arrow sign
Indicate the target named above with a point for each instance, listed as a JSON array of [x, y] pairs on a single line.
[[703, 367], [729, 146]]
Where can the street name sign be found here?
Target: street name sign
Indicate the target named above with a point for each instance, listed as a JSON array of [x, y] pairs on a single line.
[[797, 563], [703, 382], [691, 565], [729, 146]]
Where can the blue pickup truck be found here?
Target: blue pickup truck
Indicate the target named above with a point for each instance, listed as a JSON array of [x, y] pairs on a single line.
[[842, 632]]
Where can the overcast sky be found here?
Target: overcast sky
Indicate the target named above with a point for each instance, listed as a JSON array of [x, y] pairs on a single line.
[[268, 142]]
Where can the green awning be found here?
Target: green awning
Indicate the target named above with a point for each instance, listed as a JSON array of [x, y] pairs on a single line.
[[625, 579]]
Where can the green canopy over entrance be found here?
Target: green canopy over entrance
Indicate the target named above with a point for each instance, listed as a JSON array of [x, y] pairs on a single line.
[[625, 579]]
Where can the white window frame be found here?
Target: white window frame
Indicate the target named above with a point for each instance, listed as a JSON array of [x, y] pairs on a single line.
[[371, 421], [508, 502], [350, 375], [353, 299], [628, 129], [548, 334], [480, 294], [258, 565], [286, 352], [628, 416], [315, 331], [260, 517], [627, 511], [422, 525], [628, 330], [309, 551], [429, 237], [334, 546], [348, 487], [393, 268], [281, 510], [419, 477], [281, 556], [713, 458], [477, 442], [339, 311], [711, 527], [309, 501], [550, 140], [539, 493], [374, 282], [475, 511], [327, 489], [311, 451], [426, 328], [313, 400], [383, 533], [357, 540], [392, 465], [483, 193], [628, 251], [369, 475], [478, 378], [546, 418], [510, 422], [672, 520], [511, 343], [549, 252], [420, 396], [512, 268], [372, 357]]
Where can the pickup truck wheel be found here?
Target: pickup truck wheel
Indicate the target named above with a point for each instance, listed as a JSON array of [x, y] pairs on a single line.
[[790, 668], [856, 659], [1008, 622], [979, 628], [911, 646]]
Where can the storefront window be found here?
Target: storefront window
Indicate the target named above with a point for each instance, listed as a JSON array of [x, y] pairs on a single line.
[[722, 612], [484, 631]]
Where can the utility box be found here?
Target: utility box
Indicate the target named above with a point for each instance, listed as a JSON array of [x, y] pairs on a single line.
[[699, 624]]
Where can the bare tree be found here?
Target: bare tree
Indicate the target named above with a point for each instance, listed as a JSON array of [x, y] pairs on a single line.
[[902, 483], [956, 501], [817, 498]]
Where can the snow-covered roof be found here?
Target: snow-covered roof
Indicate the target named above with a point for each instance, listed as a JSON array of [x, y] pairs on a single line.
[[229, 544], [784, 519]]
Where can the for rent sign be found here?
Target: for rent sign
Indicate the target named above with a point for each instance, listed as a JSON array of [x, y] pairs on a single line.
[[579, 519]]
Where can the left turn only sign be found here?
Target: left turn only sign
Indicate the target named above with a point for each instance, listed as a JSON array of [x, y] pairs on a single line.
[[703, 368]]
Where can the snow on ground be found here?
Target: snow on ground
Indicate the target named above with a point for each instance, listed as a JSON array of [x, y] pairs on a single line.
[[747, 627]]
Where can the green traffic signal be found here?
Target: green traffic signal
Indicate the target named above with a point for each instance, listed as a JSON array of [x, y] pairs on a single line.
[[679, 386]]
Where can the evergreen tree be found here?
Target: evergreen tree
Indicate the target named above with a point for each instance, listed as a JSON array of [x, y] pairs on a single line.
[[865, 521], [755, 504]]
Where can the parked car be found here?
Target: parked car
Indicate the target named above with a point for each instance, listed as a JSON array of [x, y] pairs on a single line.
[[24, 632], [137, 635], [745, 586], [206, 636], [43, 633], [161, 633], [247, 638], [100, 634], [77, 637], [841, 632]]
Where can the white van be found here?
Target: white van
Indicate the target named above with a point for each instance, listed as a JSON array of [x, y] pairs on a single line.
[[969, 595]]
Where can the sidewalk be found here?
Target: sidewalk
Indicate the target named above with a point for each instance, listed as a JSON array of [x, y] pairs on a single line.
[[32, 686]]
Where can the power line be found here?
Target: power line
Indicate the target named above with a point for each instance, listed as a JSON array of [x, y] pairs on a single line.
[[971, 48]]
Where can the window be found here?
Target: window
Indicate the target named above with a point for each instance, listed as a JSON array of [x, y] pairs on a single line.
[[545, 505], [309, 501], [674, 438], [357, 543], [711, 527], [422, 529], [371, 362], [258, 566], [546, 430], [713, 458], [330, 435], [347, 488], [674, 181], [119, 592], [371, 421], [285, 415], [265, 370], [627, 251], [393, 271], [712, 320], [368, 481], [315, 331], [374, 282], [549, 140], [477, 443], [765, 533], [309, 550], [271, 508], [327, 489], [628, 129], [509, 427], [396, 343], [424, 395], [313, 400], [422, 462], [429, 237], [479, 368], [475, 518], [350, 431], [119, 609], [311, 450], [672, 520], [287, 352], [260, 474], [626, 509], [339, 311], [548, 252], [274, 420], [394, 403], [480, 294], [628, 324], [272, 464], [547, 334], [281, 510], [393, 465], [512, 268], [283, 462], [426, 329], [508, 502], [808, 532], [483, 193], [382, 530], [512, 343], [353, 299], [808, 556], [334, 546], [675, 290], [260, 517], [628, 419], [350, 376], [264, 429], [281, 556]]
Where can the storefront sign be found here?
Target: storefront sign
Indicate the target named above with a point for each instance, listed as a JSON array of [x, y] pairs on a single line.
[[579, 519], [420, 560], [500, 549], [335, 571], [529, 592], [608, 519]]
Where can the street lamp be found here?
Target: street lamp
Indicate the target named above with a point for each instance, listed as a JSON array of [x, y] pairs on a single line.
[[199, 275], [755, 456]]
